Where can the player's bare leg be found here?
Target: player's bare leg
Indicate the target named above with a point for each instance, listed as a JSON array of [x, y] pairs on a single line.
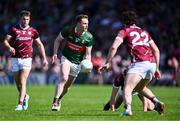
[[159, 106], [21, 79], [113, 96], [67, 85], [119, 101], [65, 70], [111, 103], [148, 105], [130, 83], [18, 85], [17, 80]]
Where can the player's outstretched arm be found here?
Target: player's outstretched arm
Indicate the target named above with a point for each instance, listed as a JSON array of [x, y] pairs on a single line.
[[111, 54], [42, 51], [56, 47], [156, 53], [88, 53]]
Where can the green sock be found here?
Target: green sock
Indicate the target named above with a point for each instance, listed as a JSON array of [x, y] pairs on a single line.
[[56, 100]]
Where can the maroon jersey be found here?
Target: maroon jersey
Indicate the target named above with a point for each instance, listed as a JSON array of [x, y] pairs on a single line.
[[119, 79], [137, 43], [22, 40]]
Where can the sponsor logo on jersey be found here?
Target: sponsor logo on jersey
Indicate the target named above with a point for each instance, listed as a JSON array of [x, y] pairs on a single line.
[[23, 38], [75, 47]]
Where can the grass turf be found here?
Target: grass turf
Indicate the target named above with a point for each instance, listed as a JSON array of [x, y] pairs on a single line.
[[83, 102]]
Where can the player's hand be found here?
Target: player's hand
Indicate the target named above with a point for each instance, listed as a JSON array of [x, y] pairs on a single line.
[[157, 74], [145, 105], [12, 51], [104, 68], [112, 107], [45, 64], [54, 58], [148, 105]]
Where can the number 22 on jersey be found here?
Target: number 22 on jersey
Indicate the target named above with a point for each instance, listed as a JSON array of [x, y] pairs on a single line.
[[139, 38]]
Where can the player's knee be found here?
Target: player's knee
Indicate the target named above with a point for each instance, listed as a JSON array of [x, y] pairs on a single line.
[[62, 80], [128, 90], [65, 78]]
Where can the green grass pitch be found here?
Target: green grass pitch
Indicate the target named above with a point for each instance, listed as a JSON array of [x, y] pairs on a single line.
[[83, 103]]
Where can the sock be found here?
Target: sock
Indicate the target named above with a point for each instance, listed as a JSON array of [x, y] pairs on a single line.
[[154, 100], [56, 100], [20, 102], [128, 106]]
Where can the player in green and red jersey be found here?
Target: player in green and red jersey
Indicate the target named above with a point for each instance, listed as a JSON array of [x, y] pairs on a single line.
[[78, 46]]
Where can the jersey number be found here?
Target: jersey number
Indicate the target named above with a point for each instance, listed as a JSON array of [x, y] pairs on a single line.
[[137, 36]]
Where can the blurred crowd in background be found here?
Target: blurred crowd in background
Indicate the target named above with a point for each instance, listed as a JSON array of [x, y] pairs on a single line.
[[161, 18]]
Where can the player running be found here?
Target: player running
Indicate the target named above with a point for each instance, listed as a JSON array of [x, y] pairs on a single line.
[[19, 42], [78, 45]]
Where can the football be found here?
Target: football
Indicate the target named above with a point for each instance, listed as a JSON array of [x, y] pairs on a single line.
[[86, 66]]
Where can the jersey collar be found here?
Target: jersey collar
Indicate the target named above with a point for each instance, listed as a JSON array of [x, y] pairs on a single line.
[[23, 28], [77, 32]]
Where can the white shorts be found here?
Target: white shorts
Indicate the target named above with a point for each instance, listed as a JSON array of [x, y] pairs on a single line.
[[20, 64], [74, 68], [145, 69]]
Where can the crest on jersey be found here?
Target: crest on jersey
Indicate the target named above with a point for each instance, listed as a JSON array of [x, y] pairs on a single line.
[[18, 31], [84, 41], [29, 33]]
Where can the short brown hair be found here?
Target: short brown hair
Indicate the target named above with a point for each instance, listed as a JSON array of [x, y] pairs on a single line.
[[25, 12], [129, 17], [80, 17]]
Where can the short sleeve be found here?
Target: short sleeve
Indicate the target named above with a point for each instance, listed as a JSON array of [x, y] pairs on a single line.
[[89, 40], [149, 38], [122, 34], [11, 31], [35, 34], [64, 32]]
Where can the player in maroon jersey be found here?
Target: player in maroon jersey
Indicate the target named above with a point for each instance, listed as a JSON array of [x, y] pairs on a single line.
[[116, 101], [19, 43], [145, 61]]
